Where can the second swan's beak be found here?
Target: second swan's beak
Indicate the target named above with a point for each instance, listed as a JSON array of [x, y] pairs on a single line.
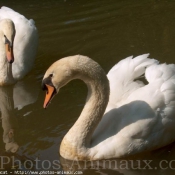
[[9, 53], [50, 92]]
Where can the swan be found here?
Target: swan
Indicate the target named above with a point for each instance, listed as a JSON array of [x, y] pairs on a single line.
[[18, 45], [122, 116]]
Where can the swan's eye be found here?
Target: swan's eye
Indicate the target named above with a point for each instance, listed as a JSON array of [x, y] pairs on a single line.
[[51, 75], [6, 40]]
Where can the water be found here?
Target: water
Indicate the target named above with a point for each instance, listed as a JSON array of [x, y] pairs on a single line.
[[106, 31]]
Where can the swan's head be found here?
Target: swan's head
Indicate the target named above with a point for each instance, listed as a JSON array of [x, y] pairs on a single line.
[[74, 67], [8, 33], [58, 75]]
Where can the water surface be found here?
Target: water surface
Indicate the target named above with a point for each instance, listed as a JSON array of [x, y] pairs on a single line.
[[106, 31]]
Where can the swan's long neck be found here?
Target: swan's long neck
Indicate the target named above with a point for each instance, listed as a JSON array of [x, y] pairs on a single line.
[[6, 76], [77, 142]]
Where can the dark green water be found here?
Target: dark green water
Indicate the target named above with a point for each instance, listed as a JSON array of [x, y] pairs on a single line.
[[106, 31]]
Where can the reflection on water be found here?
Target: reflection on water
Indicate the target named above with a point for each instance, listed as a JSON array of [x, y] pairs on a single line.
[[14, 98], [106, 31], [8, 120]]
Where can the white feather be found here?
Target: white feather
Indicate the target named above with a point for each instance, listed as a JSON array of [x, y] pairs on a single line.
[[25, 42]]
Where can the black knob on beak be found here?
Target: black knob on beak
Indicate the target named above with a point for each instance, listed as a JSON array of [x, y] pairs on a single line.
[[47, 81]]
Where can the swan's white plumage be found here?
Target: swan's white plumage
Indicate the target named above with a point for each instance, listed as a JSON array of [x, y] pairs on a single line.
[[25, 42], [122, 76], [139, 117], [151, 124]]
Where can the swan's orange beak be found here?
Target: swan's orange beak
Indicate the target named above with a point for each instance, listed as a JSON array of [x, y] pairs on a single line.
[[50, 92], [9, 53]]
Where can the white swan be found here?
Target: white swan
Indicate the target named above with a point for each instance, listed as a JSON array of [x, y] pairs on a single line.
[[138, 117], [19, 37]]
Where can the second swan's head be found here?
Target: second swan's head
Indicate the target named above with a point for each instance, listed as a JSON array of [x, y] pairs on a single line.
[[7, 31]]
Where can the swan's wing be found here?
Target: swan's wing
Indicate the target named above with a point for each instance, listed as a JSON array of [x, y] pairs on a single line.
[[159, 93], [25, 43], [163, 75], [6, 12], [122, 78], [135, 66], [146, 119]]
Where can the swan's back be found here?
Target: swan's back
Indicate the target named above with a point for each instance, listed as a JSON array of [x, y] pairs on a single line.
[[142, 114], [25, 42]]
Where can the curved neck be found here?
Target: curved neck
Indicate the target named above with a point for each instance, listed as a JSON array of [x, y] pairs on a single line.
[[77, 142], [6, 76]]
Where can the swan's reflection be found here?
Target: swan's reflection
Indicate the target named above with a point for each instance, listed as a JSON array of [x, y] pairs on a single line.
[[24, 93], [14, 97], [8, 119]]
